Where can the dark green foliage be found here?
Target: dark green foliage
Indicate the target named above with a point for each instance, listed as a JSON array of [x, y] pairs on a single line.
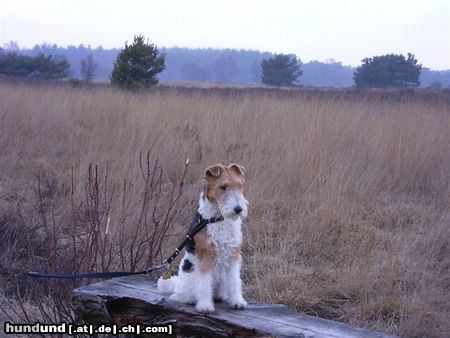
[[388, 71], [281, 70], [75, 82], [13, 64], [48, 67], [41, 66], [137, 64]]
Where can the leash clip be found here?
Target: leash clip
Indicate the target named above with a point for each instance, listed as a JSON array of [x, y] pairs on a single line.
[[164, 266]]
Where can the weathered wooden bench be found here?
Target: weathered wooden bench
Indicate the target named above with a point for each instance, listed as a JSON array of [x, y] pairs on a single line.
[[135, 299]]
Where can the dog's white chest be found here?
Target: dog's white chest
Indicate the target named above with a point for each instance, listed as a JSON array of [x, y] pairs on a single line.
[[226, 237]]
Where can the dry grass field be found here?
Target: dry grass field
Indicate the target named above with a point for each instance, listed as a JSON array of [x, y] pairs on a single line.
[[349, 193]]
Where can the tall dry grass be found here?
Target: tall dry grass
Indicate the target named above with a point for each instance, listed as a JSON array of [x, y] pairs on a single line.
[[350, 194]]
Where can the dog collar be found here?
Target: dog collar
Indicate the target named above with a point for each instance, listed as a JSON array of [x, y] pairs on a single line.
[[210, 220]]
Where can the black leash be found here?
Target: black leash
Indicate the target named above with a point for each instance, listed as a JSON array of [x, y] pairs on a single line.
[[189, 240]]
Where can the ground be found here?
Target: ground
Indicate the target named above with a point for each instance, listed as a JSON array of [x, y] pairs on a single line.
[[349, 192]]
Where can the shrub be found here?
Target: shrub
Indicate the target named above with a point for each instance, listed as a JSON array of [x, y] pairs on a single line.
[[138, 64]]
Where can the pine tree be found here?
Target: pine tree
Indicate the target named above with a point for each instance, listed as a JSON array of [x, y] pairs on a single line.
[[138, 64], [281, 70], [388, 71], [41, 66]]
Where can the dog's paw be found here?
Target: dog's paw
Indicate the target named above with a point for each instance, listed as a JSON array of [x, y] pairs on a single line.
[[205, 308], [238, 305]]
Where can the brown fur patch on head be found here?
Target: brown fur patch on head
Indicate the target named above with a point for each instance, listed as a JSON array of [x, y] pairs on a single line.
[[219, 178], [240, 170], [214, 171], [205, 251]]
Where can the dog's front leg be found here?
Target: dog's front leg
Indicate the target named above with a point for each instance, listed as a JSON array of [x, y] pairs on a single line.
[[221, 287], [235, 298], [204, 292]]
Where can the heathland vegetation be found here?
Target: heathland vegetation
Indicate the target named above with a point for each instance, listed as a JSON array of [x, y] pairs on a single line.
[[349, 193]]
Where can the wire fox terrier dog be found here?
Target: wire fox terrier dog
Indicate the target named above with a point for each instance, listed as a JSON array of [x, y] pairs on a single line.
[[210, 268]]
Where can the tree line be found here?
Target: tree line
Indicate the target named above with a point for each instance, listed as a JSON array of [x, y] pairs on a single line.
[[233, 66], [41, 66]]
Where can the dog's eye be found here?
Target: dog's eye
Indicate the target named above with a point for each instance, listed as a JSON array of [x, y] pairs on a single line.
[[224, 187]]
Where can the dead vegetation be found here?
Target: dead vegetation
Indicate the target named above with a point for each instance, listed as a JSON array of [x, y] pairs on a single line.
[[349, 193]]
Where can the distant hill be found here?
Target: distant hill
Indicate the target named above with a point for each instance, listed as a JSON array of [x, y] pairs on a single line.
[[221, 66]]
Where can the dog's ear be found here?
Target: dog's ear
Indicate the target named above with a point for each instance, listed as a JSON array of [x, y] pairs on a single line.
[[238, 169], [214, 171]]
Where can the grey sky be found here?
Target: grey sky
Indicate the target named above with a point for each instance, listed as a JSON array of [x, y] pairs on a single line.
[[346, 30]]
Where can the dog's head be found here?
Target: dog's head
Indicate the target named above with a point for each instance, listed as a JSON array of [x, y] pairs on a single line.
[[224, 185]]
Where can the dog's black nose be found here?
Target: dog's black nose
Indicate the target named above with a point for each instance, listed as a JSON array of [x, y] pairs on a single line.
[[237, 209]]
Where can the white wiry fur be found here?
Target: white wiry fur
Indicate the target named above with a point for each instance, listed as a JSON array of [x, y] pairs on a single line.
[[224, 280]]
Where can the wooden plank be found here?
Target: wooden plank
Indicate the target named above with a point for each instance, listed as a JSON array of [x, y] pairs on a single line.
[[135, 299]]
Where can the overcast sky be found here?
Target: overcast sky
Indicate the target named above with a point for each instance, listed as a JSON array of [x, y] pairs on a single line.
[[345, 30]]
